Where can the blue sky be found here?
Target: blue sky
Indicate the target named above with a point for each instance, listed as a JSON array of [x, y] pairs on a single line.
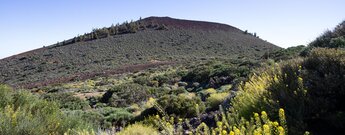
[[30, 24]]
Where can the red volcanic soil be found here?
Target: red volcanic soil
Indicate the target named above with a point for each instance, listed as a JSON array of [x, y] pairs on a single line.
[[187, 24]]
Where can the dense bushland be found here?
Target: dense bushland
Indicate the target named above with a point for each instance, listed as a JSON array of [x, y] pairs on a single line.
[[311, 90], [286, 54], [293, 96], [24, 113], [67, 101], [216, 74], [331, 39]]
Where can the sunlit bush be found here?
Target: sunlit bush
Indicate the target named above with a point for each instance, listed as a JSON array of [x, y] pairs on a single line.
[[215, 99], [258, 124], [24, 113], [184, 105], [138, 129]]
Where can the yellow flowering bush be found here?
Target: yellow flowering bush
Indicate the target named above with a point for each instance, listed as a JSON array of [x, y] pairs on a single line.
[[257, 125]]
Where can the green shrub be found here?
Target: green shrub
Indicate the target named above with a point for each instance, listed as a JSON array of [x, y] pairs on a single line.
[[212, 71], [331, 39], [125, 94], [184, 105], [106, 117], [324, 79], [259, 124], [138, 129], [26, 114], [142, 80], [206, 93], [285, 54], [116, 115], [310, 89], [6, 96], [67, 101], [338, 42], [158, 91], [162, 79], [215, 99], [199, 74]]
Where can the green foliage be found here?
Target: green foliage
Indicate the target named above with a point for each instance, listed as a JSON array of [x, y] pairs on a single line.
[[256, 125], [67, 101], [138, 129], [325, 84], [215, 99], [162, 79], [133, 27], [142, 80], [331, 39], [125, 95], [183, 105], [97, 55], [106, 117], [6, 95], [210, 72], [199, 74], [116, 115], [285, 54], [24, 113], [338, 42], [310, 89]]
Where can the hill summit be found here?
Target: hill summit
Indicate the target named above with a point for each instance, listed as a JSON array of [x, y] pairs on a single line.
[[130, 46], [188, 24]]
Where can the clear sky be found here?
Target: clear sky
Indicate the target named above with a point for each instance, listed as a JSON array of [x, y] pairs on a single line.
[[30, 24]]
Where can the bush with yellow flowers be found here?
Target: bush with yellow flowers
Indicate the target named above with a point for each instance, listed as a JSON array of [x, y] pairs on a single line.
[[311, 89], [259, 124]]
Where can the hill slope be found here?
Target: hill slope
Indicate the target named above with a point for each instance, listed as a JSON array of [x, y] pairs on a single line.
[[145, 43]]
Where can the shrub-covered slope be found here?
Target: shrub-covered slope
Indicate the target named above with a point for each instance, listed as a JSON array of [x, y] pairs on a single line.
[[145, 41], [331, 39]]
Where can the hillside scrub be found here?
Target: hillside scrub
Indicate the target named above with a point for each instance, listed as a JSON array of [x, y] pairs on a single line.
[[139, 129], [125, 95], [88, 57], [24, 113], [310, 89], [67, 101], [182, 105], [286, 54], [331, 39], [215, 74], [106, 117]]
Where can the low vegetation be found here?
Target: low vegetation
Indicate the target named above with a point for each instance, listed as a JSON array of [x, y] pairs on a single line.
[[296, 96], [24, 113], [130, 47], [310, 89], [331, 39], [298, 90]]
